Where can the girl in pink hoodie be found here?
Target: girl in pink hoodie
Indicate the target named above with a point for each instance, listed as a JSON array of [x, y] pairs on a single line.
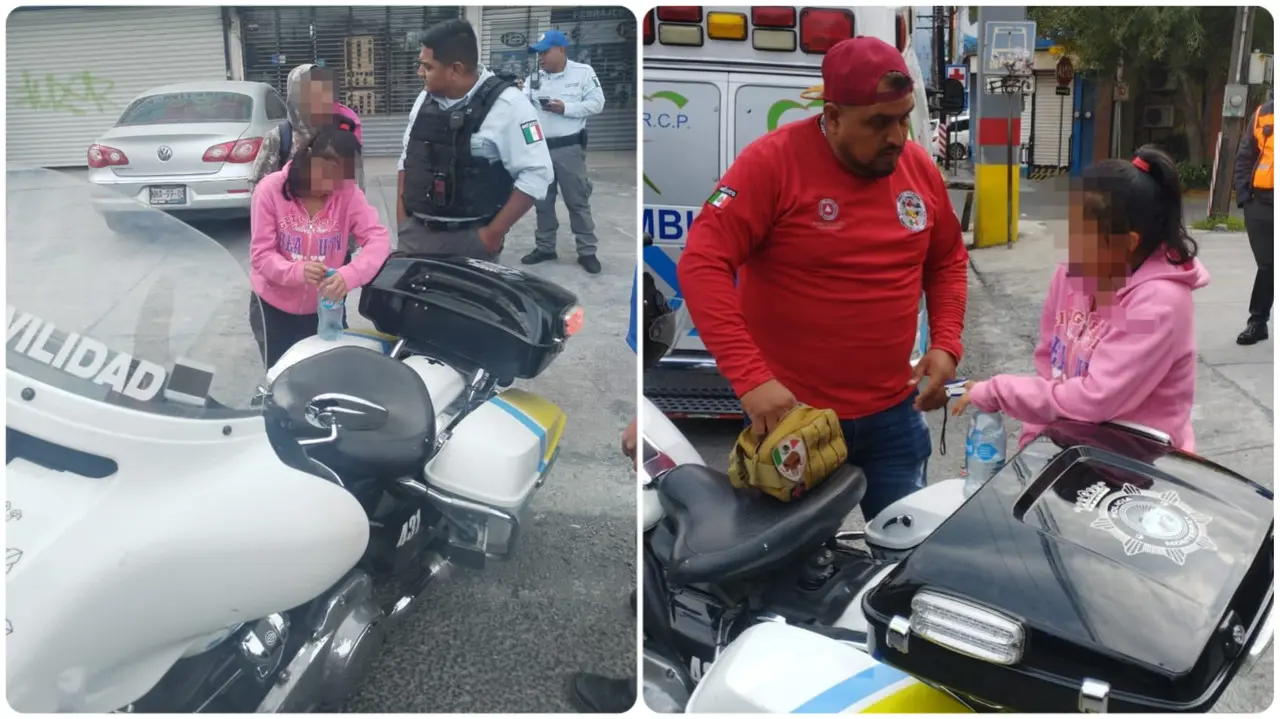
[[1117, 334], [302, 216]]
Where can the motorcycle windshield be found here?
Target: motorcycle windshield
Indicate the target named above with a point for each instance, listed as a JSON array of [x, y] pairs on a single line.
[[154, 319]]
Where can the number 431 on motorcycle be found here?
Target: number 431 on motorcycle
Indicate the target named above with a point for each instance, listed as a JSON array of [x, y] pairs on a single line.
[[410, 528]]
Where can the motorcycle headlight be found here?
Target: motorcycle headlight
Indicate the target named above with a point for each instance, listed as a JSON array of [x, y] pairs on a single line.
[[967, 628]]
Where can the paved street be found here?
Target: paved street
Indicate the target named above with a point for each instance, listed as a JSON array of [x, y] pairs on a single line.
[[507, 639], [1234, 407]]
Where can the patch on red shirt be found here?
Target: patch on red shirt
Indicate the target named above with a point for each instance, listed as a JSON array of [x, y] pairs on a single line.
[[911, 211]]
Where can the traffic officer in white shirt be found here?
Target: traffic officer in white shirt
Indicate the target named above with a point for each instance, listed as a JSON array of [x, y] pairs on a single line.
[[474, 158], [566, 93]]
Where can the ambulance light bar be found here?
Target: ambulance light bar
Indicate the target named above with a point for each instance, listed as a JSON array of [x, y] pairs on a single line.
[[776, 29]]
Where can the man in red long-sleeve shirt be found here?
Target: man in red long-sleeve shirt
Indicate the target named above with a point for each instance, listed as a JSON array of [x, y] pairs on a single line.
[[833, 227]]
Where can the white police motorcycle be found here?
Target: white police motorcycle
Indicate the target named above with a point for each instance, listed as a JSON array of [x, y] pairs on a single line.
[[182, 537]]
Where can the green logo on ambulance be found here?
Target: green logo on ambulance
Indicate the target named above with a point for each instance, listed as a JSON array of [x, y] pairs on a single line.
[[782, 107]]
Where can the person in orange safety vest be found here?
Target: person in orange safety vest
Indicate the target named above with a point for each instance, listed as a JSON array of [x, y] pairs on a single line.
[[1255, 183]]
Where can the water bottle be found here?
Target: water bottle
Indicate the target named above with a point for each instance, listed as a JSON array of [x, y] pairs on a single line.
[[330, 313], [984, 449]]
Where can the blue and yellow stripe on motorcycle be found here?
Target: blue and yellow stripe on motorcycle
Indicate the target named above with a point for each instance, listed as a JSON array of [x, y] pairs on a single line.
[[385, 340], [881, 689], [540, 416]]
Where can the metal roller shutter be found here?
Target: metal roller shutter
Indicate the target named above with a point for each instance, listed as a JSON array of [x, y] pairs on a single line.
[[1053, 123], [373, 52], [60, 100], [602, 37]]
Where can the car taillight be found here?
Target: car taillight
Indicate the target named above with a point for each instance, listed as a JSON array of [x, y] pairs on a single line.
[[573, 320], [820, 28], [680, 14], [773, 16], [648, 28], [101, 156], [236, 151], [726, 26], [901, 27]]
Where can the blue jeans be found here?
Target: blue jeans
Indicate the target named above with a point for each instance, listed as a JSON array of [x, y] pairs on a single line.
[[892, 448]]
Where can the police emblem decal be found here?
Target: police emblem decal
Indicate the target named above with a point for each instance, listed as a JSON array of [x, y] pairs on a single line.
[[911, 211], [1147, 522]]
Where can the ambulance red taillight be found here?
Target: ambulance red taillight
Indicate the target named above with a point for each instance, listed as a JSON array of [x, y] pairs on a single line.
[[648, 28], [773, 16], [680, 25], [678, 13], [821, 28], [774, 29], [902, 31]]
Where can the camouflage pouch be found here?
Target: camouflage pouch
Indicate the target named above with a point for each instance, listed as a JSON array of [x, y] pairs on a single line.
[[804, 449]]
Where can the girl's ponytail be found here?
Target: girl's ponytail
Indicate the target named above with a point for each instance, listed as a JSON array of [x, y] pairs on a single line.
[[1165, 223]]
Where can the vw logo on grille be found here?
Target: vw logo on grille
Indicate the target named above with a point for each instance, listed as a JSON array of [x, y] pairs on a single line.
[[165, 153]]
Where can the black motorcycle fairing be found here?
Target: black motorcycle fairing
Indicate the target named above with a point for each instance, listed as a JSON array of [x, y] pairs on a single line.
[[400, 446], [723, 534]]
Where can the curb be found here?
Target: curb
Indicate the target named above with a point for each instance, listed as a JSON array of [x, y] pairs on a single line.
[[1027, 230]]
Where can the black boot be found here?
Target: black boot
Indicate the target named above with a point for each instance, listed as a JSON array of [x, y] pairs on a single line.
[[537, 256], [1254, 332], [596, 694], [590, 264]]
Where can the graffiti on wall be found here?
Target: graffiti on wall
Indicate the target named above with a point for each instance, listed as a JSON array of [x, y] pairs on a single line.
[[76, 93]]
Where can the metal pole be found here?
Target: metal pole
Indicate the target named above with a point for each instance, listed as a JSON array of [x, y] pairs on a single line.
[[1062, 113], [946, 141], [1008, 185], [939, 57], [1233, 128]]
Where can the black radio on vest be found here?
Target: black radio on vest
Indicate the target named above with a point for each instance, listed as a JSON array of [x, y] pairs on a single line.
[[441, 177]]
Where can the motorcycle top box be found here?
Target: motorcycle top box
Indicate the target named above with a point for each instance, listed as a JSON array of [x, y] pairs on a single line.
[[472, 314], [1099, 570]]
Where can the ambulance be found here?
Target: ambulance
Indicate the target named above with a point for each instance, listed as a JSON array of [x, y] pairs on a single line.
[[715, 79]]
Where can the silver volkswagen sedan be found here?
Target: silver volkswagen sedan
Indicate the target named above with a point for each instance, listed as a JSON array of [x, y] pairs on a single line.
[[186, 148]]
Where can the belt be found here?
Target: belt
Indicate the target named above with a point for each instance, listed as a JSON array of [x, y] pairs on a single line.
[[555, 143]]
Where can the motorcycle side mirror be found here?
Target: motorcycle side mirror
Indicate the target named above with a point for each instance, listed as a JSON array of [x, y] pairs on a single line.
[[334, 411]]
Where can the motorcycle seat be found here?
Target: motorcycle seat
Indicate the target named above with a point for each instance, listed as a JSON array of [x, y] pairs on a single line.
[[400, 446], [724, 534]]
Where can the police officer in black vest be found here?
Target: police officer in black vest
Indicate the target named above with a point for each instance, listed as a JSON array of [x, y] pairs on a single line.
[[474, 159]]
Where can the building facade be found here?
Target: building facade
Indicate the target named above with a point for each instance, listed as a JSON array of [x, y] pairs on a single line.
[[59, 103]]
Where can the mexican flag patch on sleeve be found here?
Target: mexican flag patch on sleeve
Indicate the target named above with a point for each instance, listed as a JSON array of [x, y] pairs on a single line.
[[721, 197], [532, 132]]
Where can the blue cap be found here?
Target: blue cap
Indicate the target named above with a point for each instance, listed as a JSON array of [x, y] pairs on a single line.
[[549, 39]]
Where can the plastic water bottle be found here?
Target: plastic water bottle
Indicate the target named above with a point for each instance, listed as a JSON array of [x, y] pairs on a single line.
[[984, 449], [330, 313]]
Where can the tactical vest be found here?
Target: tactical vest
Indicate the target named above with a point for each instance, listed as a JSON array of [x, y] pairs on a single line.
[[441, 176], [1264, 176]]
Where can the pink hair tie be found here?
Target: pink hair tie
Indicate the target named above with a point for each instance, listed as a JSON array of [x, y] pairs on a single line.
[[1141, 164]]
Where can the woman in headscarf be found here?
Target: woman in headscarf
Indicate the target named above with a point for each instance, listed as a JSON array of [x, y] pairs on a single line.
[[311, 101]]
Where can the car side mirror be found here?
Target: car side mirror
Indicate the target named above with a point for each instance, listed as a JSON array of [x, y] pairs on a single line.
[[334, 411]]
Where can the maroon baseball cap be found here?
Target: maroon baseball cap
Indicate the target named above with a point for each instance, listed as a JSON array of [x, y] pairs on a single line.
[[853, 68]]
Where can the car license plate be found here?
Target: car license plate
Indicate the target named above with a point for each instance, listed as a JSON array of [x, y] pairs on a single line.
[[169, 195]]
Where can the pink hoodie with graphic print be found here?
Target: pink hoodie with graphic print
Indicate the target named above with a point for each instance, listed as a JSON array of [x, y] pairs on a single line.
[[1134, 361], [284, 237]]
